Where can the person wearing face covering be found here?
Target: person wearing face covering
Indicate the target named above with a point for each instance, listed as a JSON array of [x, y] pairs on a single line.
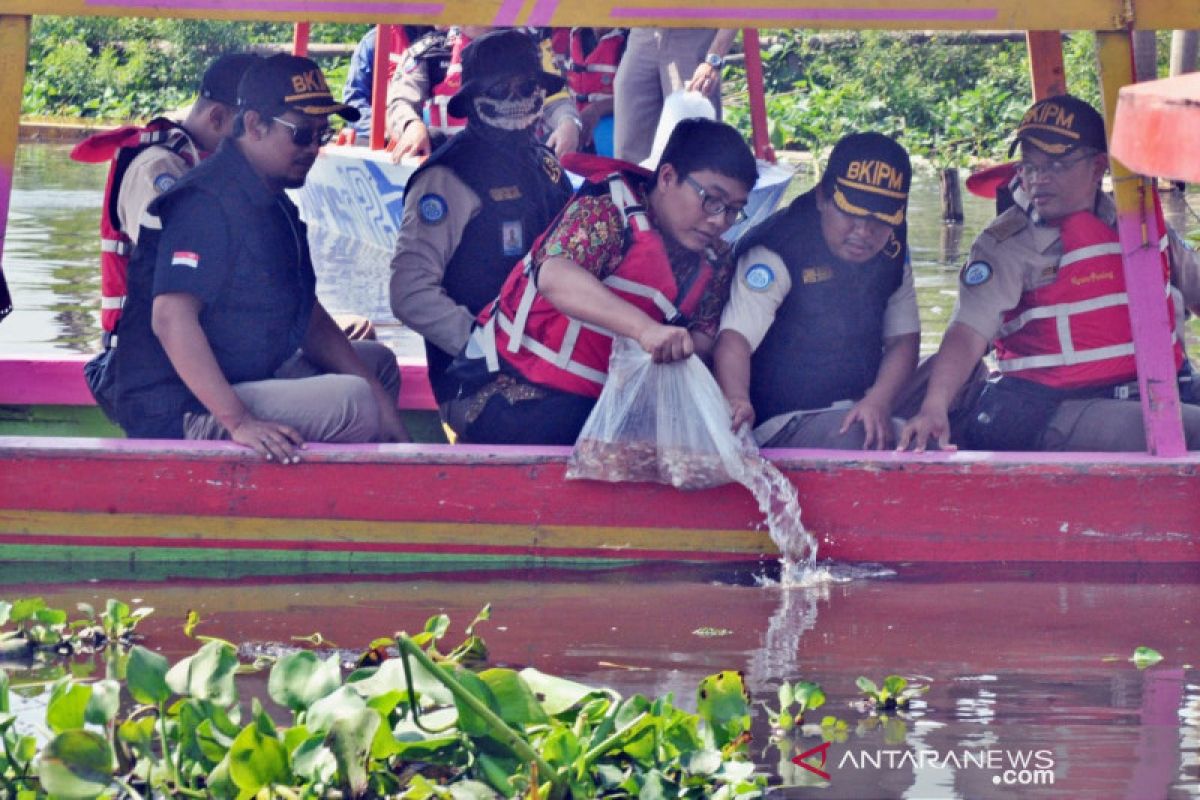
[[472, 210]]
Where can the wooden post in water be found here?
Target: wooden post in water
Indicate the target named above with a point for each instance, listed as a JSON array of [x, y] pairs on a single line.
[[1145, 55], [952, 202], [14, 50], [1046, 63], [1184, 47], [1144, 282]]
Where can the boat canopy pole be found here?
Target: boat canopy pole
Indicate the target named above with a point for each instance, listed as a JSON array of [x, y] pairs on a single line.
[[300, 38], [379, 83], [760, 134], [1046, 64], [1145, 284], [14, 50]]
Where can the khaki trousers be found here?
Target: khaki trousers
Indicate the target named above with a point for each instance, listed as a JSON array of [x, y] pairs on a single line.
[[322, 407]]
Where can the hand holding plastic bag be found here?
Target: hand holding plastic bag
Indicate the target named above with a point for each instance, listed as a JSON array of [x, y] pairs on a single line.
[[664, 423]]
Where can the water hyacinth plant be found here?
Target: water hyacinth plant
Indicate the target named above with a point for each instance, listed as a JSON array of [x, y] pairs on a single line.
[[415, 723]]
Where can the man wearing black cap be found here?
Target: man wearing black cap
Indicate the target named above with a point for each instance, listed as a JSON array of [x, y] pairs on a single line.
[[1045, 285], [222, 294], [146, 161], [473, 209], [822, 331]]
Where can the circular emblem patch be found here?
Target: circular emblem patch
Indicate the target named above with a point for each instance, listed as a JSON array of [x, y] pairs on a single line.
[[759, 277], [433, 208], [164, 182], [976, 273]]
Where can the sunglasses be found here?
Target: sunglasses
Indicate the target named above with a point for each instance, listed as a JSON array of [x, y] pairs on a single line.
[[506, 89], [304, 136]]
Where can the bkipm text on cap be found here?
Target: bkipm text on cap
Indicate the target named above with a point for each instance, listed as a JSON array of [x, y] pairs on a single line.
[[869, 175], [290, 83], [1059, 125]]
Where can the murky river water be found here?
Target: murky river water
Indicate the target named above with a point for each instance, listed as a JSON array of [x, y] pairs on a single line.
[[50, 257], [1023, 663]]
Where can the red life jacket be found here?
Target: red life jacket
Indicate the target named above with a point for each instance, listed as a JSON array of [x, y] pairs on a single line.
[[439, 98], [548, 347], [1076, 332], [591, 76], [121, 146]]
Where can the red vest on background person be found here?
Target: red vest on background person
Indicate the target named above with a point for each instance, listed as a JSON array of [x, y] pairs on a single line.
[[121, 146], [549, 348], [1076, 332], [590, 76], [440, 119]]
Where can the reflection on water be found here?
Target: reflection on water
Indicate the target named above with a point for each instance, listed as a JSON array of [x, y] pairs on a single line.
[[50, 257], [1019, 662]]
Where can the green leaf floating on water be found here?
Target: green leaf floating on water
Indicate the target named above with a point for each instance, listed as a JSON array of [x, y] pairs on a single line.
[[76, 764], [1145, 657]]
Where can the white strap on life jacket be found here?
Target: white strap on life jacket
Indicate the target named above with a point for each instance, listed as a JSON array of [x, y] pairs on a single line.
[[112, 303], [668, 309], [561, 359], [119, 246]]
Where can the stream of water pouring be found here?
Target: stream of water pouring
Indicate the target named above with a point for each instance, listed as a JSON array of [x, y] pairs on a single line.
[[777, 500]]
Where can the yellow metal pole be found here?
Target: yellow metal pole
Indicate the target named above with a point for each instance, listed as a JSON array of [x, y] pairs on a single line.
[[1145, 284], [14, 49]]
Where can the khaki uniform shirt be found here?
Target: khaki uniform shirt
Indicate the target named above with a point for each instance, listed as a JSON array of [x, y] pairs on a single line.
[[152, 172], [1021, 255], [423, 250], [752, 312]]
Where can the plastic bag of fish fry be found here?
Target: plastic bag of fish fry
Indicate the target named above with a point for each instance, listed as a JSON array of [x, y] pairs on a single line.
[[664, 423]]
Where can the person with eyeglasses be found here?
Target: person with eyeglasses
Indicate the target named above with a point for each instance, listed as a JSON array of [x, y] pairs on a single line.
[[223, 336], [822, 331], [1044, 286], [635, 253], [473, 209]]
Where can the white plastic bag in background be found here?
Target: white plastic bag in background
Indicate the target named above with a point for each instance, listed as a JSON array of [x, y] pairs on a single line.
[[664, 423], [677, 106]]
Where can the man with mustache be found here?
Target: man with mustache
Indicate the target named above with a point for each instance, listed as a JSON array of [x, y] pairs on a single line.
[[822, 331], [473, 209], [222, 294], [1045, 286]]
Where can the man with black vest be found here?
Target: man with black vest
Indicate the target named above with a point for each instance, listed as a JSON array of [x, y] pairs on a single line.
[[822, 329], [222, 294], [473, 209]]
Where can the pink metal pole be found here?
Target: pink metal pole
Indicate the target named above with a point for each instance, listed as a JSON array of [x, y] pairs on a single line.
[[300, 39], [758, 104], [1145, 284]]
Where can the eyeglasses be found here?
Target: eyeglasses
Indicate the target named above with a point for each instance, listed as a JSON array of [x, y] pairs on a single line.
[[304, 136], [506, 89], [1054, 168], [714, 205]]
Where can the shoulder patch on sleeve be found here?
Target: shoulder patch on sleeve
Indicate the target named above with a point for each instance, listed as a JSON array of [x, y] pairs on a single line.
[[1007, 224], [976, 273], [164, 181], [432, 208], [759, 278]]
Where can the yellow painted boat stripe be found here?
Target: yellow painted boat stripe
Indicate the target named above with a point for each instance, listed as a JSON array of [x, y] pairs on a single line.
[[186, 529]]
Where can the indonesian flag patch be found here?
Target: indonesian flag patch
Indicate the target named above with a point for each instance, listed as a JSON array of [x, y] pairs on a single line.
[[185, 258]]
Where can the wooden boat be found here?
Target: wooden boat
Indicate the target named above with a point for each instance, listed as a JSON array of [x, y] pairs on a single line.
[[110, 499]]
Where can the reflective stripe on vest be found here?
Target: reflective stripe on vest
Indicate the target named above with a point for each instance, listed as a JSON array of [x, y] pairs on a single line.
[[590, 77], [1076, 331], [440, 119], [550, 348]]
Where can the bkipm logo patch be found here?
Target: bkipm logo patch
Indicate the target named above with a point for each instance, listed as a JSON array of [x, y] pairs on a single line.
[[433, 208], [164, 182], [976, 273], [759, 277]]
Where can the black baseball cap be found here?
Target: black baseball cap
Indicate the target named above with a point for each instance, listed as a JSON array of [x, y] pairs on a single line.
[[868, 175], [221, 79], [1058, 125], [290, 83], [496, 56]]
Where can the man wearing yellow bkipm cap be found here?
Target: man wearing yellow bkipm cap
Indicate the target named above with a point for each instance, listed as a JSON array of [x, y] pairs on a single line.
[[1045, 287], [821, 331]]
